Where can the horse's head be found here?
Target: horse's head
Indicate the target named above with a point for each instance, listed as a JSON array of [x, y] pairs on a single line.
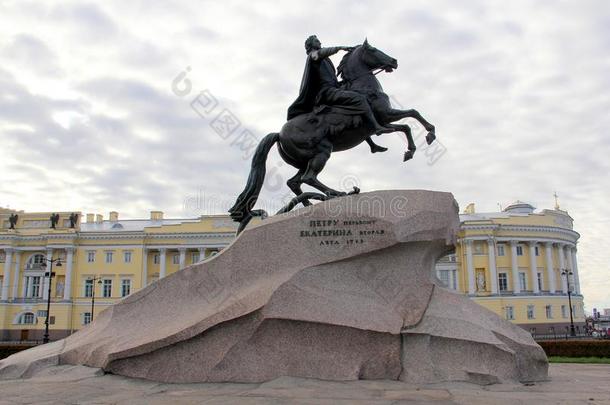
[[373, 58], [365, 57]]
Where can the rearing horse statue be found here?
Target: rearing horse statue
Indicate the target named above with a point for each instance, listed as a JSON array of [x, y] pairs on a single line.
[[307, 141]]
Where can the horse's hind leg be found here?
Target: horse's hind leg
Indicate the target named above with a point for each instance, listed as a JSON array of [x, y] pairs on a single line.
[[315, 166], [294, 183]]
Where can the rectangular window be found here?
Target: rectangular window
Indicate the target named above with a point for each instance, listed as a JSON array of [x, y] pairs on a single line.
[[522, 281], [478, 248], [41, 313], [108, 257], [176, 259], [156, 258], [443, 275], [519, 250], [510, 313], [89, 288], [530, 312], [500, 250], [35, 286], [549, 311], [540, 281], [564, 311], [86, 318], [90, 257], [537, 251], [107, 288], [127, 257], [503, 281], [195, 257], [125, 287]]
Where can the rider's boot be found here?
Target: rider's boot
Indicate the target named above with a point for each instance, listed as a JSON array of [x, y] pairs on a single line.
[[374, 147]]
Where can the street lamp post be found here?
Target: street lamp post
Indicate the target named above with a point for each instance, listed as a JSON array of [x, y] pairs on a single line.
[[93, 280], [50, 274], [567, 273]]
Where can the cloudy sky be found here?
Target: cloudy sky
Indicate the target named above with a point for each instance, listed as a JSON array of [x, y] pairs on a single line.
[[95, 117]]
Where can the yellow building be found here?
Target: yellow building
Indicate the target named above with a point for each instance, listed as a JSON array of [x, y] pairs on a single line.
[[103, 260], [509, 262], [517, 263]]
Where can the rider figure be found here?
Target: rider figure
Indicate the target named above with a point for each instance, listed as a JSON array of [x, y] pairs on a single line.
[[320, 86]]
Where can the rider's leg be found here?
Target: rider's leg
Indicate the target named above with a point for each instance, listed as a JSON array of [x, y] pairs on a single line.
[[358, 101], [374, 147]]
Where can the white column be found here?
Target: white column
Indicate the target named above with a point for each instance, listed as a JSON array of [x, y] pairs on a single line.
[[549, 267], [144, 267], [469, 265], [491, 252], [533, 268], [182, 258], [16, 277], [575, 270], [45, 279], [515, 266], [8, 262], [162, 264], [562, 267], [68, 283], [201, 253]]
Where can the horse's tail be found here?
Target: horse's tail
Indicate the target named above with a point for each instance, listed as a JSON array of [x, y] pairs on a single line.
[[241, 211]]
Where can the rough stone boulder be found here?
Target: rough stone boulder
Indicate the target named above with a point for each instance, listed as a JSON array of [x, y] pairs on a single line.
[[341, 290]]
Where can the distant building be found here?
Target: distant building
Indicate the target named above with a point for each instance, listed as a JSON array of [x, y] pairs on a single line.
[[516, 263]]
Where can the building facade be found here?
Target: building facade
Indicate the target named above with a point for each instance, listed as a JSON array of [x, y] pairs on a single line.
[[519, 264], [510, 262], [101, 261]]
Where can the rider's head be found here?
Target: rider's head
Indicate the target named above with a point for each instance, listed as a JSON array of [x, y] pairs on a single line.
[[312, 43]]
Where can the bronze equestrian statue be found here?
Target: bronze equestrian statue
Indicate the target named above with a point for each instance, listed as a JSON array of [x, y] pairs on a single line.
[[328, 116]]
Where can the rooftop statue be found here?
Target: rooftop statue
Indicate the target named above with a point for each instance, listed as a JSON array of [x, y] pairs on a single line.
[[329, 116]]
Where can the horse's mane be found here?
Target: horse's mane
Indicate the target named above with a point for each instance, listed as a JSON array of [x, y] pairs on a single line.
[[343, 63]]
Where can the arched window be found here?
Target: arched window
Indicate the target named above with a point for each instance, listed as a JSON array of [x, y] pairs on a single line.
[[35, 261], [25, 318]]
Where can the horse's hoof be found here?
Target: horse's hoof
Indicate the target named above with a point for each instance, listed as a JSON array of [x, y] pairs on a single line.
[[356, 190], [430, 137], [408, 155]]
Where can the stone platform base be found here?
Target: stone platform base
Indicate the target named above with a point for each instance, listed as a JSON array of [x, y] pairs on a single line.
[[569, 384]]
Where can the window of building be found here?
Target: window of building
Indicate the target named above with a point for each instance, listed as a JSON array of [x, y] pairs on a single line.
[[86, 318], [549, 311], [537, 251], [478, 248], [443, 275], [32, 286], [90, 257], [108, 257], [107, 288], [27, 318], [540, 283], [530, 312], [564, 311], [125, 287], [500, 250], [88, 288], [195, 257], [522, 281], [127, 257], [510, 313], [519, 250], [156, 258], [176, 259], [503, 281]]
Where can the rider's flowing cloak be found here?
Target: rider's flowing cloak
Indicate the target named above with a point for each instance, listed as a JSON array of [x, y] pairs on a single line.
[[310, 87], [310, 90]]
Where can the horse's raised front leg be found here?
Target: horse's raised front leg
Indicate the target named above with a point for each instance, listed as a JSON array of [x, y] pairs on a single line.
[[411, 144], [315, 166], [395, 115]]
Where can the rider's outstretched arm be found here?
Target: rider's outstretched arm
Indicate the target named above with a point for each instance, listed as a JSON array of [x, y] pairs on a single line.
[[326, 52]]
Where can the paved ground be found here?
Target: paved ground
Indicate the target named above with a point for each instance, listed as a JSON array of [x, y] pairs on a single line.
[[570, 384]]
